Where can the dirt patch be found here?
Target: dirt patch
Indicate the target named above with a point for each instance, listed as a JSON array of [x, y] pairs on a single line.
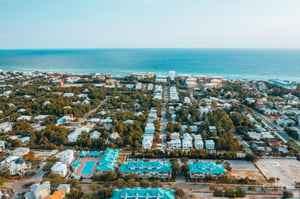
[[253, 175], [288, 171]]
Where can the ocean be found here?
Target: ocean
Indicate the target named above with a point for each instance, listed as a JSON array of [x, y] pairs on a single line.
[[262, 64]]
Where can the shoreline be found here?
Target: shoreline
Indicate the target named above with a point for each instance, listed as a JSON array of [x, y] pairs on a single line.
[[128, 73]]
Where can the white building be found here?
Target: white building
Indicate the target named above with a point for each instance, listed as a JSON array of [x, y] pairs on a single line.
[[73, 137], [24, 117], [198, 142], [209, 144], [254, 135], [68, 95], [38, 191], [20, 151], [174, 136], [150, 87], [161, 78], [5, 162], [150, 128], [95, 135], [18, 167], [187, 141], [5, 127], [174, 144], [60, 168], [2, 145], [187, 100], [66, 156], [139, 86], [172, 75], [147, 141]]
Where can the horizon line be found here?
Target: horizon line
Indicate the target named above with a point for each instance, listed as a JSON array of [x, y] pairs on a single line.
[[256, 48]]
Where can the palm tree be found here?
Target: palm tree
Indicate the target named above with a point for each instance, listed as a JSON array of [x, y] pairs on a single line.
[[277, 179]]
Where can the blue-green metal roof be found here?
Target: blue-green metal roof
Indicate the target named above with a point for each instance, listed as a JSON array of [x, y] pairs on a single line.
[[82, 153], [75, 164], [133, 167], [94, 153], [109, 160], [282, 82], [143, 193], [206, 167]]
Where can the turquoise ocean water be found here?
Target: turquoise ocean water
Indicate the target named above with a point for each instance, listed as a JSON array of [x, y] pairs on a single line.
[[229, 63]]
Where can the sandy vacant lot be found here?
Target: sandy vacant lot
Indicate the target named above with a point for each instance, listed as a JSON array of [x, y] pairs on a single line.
[[243, 169], [287, 170]]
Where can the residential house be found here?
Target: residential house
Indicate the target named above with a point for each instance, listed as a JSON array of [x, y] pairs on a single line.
[[60, 168], [74, 136], [95, 135], [187, 141], [147, 193], [2, 145], [201, 169], [24, 117], [38, 191], [68, 95], [209, 144], [284, 121], [157, 169], [64, 187], [18, 166], [254, 135], [5, 127], [56, 195], [20, 151], [40, 118], [198, 142], [65, 119], [108, 160], [66, 156], [175, 136], [5, 162], [174, 144], [147, 141], [150, 128]]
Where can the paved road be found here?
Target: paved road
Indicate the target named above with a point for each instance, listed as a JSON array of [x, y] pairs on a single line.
[[18, 186], [87, 115], [164, 120], [278, 130], [243, 142], [39, 174]]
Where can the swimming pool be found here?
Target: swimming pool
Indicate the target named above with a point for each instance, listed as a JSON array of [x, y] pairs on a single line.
[[88, 168]]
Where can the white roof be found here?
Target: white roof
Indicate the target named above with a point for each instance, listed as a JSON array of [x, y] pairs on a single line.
[[59, 166]]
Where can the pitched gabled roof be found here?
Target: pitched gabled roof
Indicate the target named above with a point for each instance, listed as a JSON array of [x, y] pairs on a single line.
[[139, 193], [206, 167]]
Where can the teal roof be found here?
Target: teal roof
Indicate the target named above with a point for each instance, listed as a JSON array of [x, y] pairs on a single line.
[[207, 167], [75, 164], [82, 153], [94, 153], [139, 193], [109, 160], [282, 82], [134, 167]]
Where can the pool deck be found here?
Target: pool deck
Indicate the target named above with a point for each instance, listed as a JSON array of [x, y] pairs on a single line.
[[83, 161]]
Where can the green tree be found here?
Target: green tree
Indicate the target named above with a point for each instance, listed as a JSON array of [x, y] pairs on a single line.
[[120, 183], [156, 183], [144, 183]]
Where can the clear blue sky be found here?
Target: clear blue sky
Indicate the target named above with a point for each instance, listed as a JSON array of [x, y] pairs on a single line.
[[149, 24]]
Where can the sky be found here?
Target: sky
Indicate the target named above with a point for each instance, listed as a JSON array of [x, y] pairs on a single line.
[[42, 24]]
